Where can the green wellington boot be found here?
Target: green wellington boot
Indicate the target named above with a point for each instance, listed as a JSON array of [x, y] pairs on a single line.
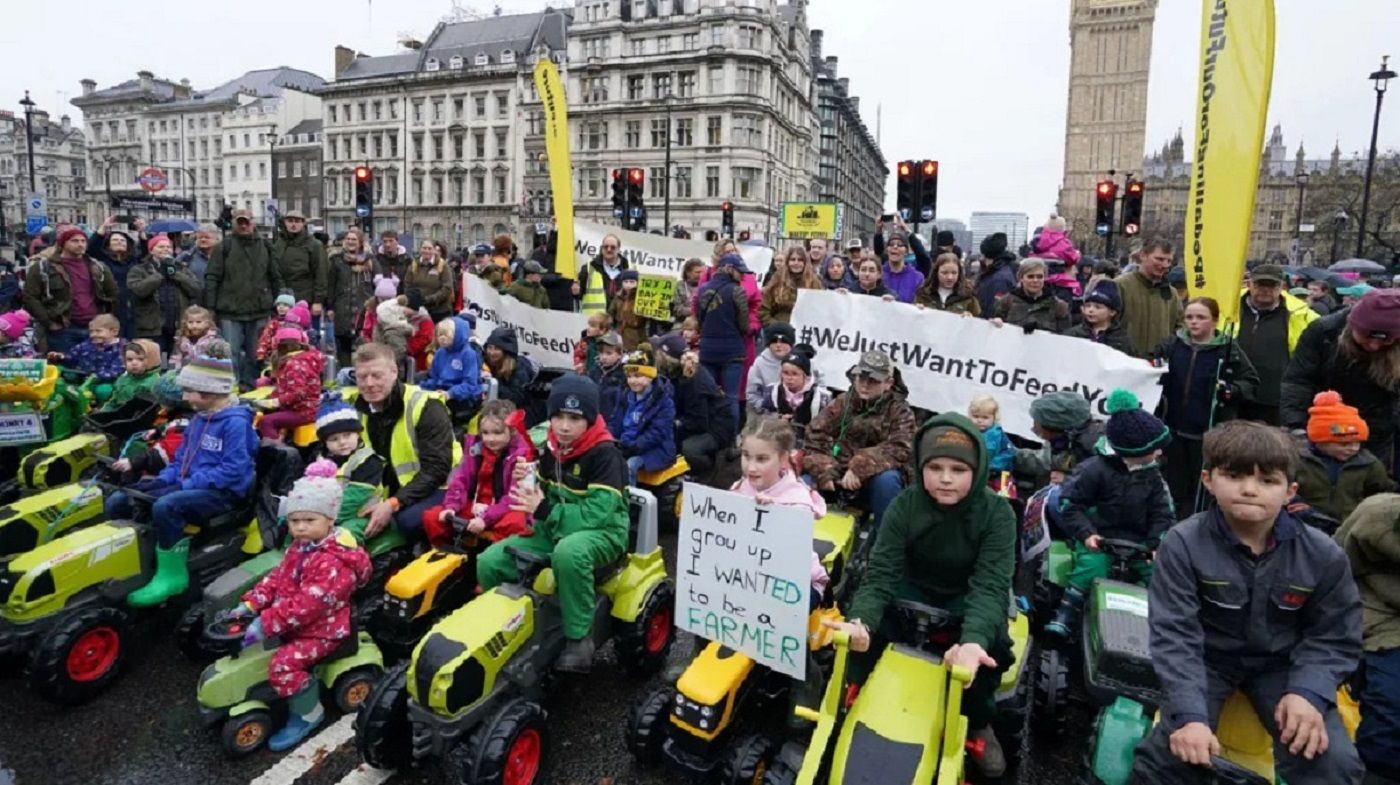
[[172, 577]]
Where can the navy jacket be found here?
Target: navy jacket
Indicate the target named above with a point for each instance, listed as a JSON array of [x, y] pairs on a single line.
[[723, 321], [1189, 406], [612, 387], [998, 277], [702, 408], [648, 426], [1104, 497]]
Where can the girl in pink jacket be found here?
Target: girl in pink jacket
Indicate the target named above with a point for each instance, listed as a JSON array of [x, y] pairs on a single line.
[[1054, 242]]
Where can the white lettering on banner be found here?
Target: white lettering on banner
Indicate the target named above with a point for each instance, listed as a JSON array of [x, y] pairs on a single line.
[[741, 581], [653, 254], [547, 336], [946, 360]]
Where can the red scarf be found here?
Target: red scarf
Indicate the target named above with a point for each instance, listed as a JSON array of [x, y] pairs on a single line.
[[596, 434]]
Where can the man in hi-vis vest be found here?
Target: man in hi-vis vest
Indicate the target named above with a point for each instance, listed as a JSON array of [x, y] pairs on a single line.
[[598, 280]]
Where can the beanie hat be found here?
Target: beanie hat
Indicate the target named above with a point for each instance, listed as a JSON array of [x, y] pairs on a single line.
[[68, 234], [994, 245], [290, 334], [14, 323], [1377, 314], [629, 275], [208, 374], [574, 394], [285, 299], [1105, 293], [168, 392], [503, 338], [300, 315], [151, 243], [639, 364], [336, 416], [802, 361], [898, 236], [944, 239], [385, 288], [1330, 420], [1060, 410], [949, 441], [317, 492], [1131, 430], [415, 299], [779, 332], [671, 344]]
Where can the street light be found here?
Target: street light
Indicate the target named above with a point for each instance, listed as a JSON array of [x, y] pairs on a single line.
[[1381, 78], [29, 105], [1339, 223], [1298, 230], [272, 171], [668, 101]]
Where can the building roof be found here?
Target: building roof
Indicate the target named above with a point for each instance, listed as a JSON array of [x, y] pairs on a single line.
[[517, 33], [306, 127], [161, 90], [263, 83]]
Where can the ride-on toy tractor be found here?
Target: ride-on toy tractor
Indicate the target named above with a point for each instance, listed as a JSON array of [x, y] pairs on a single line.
[[63, 603], [1111, 644], [471, 695], [235, 691], [666, 485], [40, 408]]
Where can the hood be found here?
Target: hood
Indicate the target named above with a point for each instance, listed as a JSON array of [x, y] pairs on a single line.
[[961, 422], [461, 334], [131, 251], [1219, 339], [788, 491], [343, 546], [230, 416]]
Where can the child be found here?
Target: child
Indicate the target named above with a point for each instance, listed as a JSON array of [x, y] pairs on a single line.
[[580, 511], [868, 280], [985, 413], [1054, 242], [632, 327], [586, 350], [163, 441], [611, 380], [1336, 472], [1100, 310], [385, 288], [1120, 496], [796, 398], [1062, 420], [391, 327], [528, 289], [305, 600], [423, 337], [197, 332], [99, 357], [267, 340], [298, 388], [1244, 597], [359, 469], [141, 358], [480, 489], [16, 335], [765, 450], [212, 472], [648, 435], [779, 338], [456, 368], [690, 331]]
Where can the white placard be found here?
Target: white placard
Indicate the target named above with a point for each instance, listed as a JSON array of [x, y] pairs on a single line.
[[1137, 606], [744, 576], [946, 360], [21, 428], [547, 336], [653, 254]]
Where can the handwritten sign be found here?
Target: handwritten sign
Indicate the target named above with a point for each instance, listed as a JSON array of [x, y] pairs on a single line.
[[744, 576], [28, 370], [654, 295], [21, 428]]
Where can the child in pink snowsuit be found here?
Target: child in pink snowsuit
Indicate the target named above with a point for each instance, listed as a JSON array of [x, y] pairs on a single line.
[[1054, 242]]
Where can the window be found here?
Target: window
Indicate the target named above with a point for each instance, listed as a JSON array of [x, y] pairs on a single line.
[[417, 191], [247, 141], [636, 88], [713, 126], [595, 89], [233, 171], [418, 111], [718, 35], [455, 62], [595, 136], [749, 81], [748, 131], [459, 108], [501, 141], [663, 44], [204, 147], [633, 135], [657, 175], [690, 41], [750, 37], [716, 80], [498, 184], [364, 145], [479, 144], [745, 182], [479, 104], [191, 146], [658, 132], [639, 47], [437, 190], [313, 167], [685, 84], [458, 190], [262, 170], [507, 56], [685, 132], [682, 184], [417, 147], [432, 64], [660, 85], [712, 181], [437, 110], [394, 109], [595, 47], [378, 146], [437, 147], [458, 147], [479, 189], [378, 109], [393, 144], [482, 59], [360, 110], [502, 105]]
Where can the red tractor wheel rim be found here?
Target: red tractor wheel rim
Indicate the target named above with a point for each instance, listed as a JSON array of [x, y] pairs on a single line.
[[523, 760], [658, 630], [93, 654]]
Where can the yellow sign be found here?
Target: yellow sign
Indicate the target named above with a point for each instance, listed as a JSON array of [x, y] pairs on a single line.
[[561, 170], [654, 295], [1234, 77], [808, 220]]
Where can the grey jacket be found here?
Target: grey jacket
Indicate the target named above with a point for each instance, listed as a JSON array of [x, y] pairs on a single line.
[[1214, 606]]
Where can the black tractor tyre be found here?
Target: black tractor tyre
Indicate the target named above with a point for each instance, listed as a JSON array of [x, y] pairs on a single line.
[[646, 725], [246, 733], [783, 769], [643, 644], [746, 761], [353, 687], [383, 731], [1052, 693], [189, 636], [80, 656], [1013, 719], [484, 758]]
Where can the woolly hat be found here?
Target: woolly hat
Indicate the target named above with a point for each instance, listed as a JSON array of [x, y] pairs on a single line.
[[779, 332], [151, 243], [168, 392], [949, 441], [208, 374], [944, 239], [385, 288], [68, 234], [285, 299], [1060, 410], [503, 338], [1131, 430], [300, 315], [414, 297], [290, 334], [629, 275], [898, 236], [800, 358], [994, 245], [316, 492], [1377, 314], [639, 364], [14, 323], [336, 416], [574, 394], [1105, 293], [1330, 420]]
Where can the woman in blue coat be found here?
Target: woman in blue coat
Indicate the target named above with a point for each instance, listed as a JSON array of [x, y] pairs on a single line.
[[648, 437]]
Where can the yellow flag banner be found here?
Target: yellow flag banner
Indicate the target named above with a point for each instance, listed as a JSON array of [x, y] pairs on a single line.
[[1235, 75], [561, 170]]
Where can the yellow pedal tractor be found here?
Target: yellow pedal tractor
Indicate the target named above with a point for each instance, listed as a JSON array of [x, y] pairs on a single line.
[[666, 484], [303, 437], [41, 408], [471, 695]]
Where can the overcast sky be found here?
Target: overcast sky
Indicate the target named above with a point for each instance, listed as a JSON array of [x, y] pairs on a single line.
[[978, 85]]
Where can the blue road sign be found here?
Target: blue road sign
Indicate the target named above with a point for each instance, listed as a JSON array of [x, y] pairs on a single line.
[[35, 224], [361, 211]]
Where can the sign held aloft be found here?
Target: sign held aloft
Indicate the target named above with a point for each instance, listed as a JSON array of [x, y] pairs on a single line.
[[810, 220]]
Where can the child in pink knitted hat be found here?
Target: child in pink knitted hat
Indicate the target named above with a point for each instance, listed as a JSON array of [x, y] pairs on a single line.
[[16, 335]]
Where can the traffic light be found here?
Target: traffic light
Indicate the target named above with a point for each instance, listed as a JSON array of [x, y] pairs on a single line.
[[225, 221], [726, 219], [928, 190], [619, 194], [364, 196], [1106, 194], [636, 209], [1132, 208], [905, 189]]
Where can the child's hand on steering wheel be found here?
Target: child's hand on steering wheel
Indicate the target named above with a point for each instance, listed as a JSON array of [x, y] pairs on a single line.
[[969, 655], [860, 634]]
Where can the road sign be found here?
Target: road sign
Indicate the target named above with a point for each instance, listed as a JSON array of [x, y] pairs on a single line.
[[152, 179], [152, 203], [36, 204], [361, 211], [808, 220], [34, 224]]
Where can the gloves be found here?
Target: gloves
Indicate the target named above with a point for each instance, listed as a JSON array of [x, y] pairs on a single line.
[[239, 611], [253, 634], [1028, 328]]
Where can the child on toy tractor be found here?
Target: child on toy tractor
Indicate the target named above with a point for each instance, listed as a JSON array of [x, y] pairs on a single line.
[[359, 469], [950, 543], [1246, 598], [305, 600], [141, 359], [1120, 496], [212, 471], [296, 368], [162, 442], [579, 505], [456, 369], [1064, 422], [481, 488], [98, 359]]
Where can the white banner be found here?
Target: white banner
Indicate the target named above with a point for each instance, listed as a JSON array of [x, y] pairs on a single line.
[[653, 254], [740, 579], [946, 360], [547, 336]]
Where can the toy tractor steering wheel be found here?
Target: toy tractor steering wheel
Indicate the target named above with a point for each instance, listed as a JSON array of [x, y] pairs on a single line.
[[462, 541], [225, 630], [528, 563], [920, 624], [1124, 553]]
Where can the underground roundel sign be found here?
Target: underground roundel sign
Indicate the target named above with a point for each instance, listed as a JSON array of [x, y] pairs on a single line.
[[152, 180]]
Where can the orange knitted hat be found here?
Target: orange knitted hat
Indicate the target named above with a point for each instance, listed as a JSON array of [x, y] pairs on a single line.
[[1330, 420]]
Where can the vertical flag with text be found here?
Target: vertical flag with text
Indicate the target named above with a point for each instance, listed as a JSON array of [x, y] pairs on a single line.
[[561, 170]]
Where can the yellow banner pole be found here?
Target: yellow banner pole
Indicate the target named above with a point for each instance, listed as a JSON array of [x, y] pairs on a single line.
[[561, 175]]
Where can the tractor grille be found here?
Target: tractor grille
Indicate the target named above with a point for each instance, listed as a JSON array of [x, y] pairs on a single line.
[[496, 645]]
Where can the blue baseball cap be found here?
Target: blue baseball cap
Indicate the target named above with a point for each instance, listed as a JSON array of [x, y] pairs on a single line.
[[482, 248]]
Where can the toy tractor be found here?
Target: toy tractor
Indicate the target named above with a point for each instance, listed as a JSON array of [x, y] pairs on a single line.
[[666, 485], [40, 408], [63, 603], [234, 691], [471, 695]]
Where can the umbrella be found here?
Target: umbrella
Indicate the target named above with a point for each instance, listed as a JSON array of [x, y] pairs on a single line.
[[172, 225], [1319, 274], [1357, 266]]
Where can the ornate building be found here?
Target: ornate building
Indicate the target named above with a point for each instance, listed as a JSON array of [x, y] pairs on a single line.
[[852, 170], [60, 165], [1106, 121]]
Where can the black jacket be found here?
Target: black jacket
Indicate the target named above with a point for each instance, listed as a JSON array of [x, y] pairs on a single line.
[[1115, 337], [147, 284], [1104, 497], [242, 280], [701, 408], [301, 260], [1191, 403]]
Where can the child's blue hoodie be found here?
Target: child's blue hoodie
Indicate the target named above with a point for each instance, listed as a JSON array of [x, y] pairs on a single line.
[[1000, 452], [457, 369], [219, 452]]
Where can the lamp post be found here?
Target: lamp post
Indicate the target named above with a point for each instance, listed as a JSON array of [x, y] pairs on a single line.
[[1339, 223], [272, 173], [29, 105], [668, 100], [1381, 78], [1298, 229]]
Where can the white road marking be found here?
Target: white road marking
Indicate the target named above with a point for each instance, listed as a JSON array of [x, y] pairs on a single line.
[[364, 774], [310, 753]]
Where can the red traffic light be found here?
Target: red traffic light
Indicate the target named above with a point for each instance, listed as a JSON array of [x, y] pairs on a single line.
[[726, 206], [930, 168], [1105, 188], [616, 173], [362, 174], [903, 168], [636, 175]]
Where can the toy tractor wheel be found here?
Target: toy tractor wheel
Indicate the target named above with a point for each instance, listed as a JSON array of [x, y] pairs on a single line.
[[782, 770], [353, 687], [642, 645], [746, 761], [383, 732], [80, 656], [668, 506], [646, 725], [1013, 719], [1052, 693], [189, 635], [245, 733], [507, 749]]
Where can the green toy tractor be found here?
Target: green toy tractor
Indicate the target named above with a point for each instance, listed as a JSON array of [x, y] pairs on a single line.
[[471, 695], [234, 692], [42, 407]]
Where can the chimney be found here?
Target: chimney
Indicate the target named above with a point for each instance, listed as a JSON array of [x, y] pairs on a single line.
[[344, 56], [855, 104], [147, 80], [816, 36], [831, 66], [845, 85], [89, 86], [182, 90], [65, 123]]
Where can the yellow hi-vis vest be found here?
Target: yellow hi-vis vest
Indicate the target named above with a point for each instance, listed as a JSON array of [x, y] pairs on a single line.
[[595, 291], [403, 444]]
